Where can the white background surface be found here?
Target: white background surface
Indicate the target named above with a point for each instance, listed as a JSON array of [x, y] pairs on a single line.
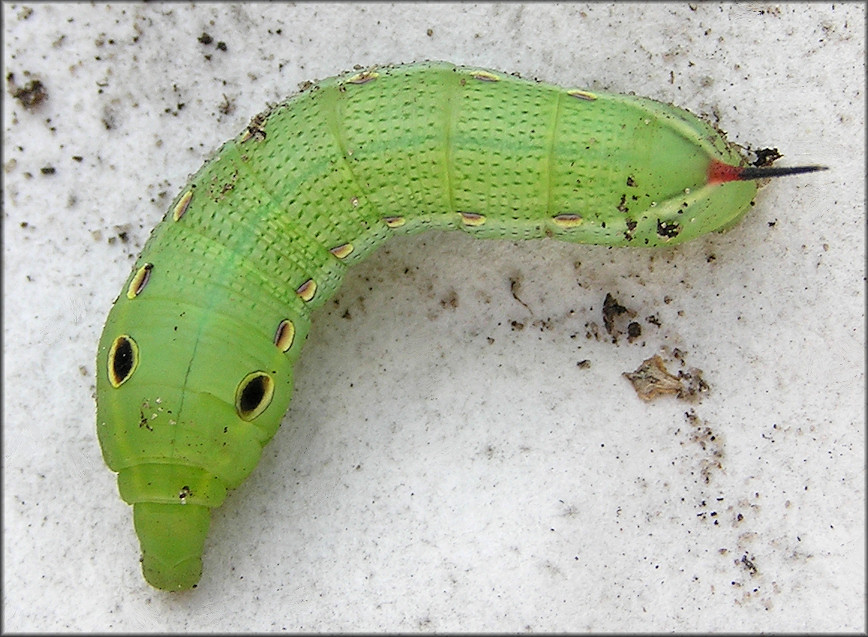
[[441, 468]]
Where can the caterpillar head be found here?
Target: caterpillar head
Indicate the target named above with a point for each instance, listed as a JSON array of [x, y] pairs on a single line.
[[186, 399]]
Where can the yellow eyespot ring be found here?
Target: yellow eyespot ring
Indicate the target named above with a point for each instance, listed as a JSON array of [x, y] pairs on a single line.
[[123, 359], [253, 395]]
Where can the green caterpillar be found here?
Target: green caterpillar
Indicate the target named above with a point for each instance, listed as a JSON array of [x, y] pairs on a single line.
[[195, 360]]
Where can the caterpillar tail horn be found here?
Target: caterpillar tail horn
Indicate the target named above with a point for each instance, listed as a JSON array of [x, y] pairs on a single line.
[[721, 173]]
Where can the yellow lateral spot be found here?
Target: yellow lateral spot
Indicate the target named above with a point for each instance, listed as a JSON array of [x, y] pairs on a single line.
[[140, 281], [342, 251], [363, 78], [484, 76], [567, 220], [306, 290], [284, 335], [182, 205], [394, 222], [472, 219], [582, 95]]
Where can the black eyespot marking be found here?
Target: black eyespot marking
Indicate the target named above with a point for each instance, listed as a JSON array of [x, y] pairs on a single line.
[[123, 359], [254, 394]]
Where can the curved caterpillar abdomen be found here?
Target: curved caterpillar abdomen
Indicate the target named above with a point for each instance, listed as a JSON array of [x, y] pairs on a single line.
[[195, 361]]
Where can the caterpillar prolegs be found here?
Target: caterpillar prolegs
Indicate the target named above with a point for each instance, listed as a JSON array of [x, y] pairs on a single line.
[[195, 361]]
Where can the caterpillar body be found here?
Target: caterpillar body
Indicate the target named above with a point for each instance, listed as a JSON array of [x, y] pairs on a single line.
[[195, 360]]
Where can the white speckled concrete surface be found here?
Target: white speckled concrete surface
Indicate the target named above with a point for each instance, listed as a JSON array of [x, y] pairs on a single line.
[[446, 463]]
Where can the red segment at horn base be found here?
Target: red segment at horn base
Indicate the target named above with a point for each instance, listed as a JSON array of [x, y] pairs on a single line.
[[720, 173]]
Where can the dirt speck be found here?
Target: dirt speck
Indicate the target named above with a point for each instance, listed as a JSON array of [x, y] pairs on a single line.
[[612, 311], [651, 379], [31, 95]]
